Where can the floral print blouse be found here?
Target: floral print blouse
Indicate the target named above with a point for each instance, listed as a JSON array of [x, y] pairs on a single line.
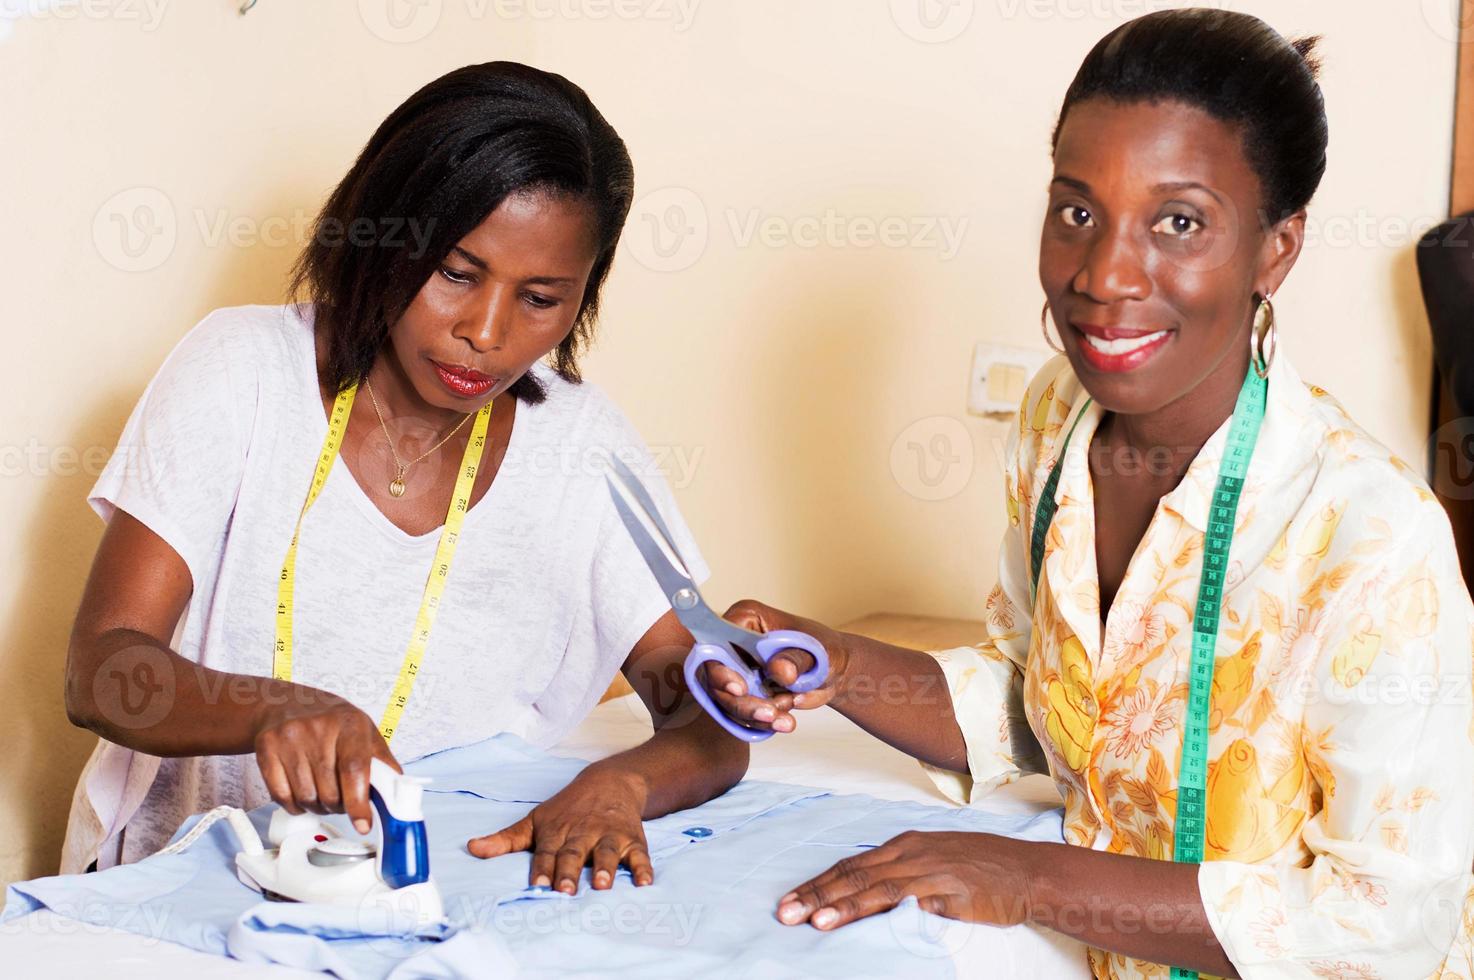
[[1340, 813]]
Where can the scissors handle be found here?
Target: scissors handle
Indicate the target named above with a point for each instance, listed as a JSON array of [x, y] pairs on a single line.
[[772, 643], [705, 653], [767, 647]]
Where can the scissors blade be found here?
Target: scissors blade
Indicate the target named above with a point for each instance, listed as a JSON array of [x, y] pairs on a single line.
[[647, 530], [652, 538], [624, 480]]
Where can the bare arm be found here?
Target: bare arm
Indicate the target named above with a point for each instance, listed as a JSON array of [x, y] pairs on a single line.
[[898, 695], [1136, 906], [596, 819], [690, 758], [125, 683]]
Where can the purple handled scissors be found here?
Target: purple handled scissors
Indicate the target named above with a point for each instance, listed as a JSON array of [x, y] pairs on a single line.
[[717, 640]]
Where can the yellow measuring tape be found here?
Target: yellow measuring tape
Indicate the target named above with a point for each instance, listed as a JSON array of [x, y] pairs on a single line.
[[281, 661]]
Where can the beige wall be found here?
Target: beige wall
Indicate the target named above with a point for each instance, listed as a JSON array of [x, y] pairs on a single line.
[[787, 373]]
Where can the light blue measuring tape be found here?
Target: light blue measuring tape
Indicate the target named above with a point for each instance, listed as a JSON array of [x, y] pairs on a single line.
[[1192, 776]]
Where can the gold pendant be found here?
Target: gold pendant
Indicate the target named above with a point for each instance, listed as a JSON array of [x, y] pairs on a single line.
[[396, 485]]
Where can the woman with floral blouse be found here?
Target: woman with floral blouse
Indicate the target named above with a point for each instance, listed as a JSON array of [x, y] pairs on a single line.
[[1229, 624]]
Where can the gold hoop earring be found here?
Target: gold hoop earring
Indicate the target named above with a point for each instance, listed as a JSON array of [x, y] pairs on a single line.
[[1263, 337], [1044, 329]]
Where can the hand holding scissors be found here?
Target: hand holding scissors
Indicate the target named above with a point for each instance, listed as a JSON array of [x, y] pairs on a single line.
[[743, 652]]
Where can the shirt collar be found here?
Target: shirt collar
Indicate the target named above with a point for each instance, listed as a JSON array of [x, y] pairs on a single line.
[[1276, 450]]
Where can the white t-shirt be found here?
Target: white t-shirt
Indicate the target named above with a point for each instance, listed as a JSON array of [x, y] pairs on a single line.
[[545, 598]]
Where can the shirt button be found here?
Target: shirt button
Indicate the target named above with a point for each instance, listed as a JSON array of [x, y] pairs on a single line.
[[697, 832]]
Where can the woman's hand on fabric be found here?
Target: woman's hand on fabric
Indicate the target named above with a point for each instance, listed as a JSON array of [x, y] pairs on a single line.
[[314, 755], [596, 819], [772, 709], [966, 876]]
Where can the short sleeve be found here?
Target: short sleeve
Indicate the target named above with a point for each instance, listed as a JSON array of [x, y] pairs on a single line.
[[986, 679], [178, 465], [627, 599], [1387, 736]]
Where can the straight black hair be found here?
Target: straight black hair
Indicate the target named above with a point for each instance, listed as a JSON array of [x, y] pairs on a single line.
[[1237, 69], [432, 171]]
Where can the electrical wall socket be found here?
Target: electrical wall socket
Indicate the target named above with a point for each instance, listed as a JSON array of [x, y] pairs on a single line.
[[1000, 377]]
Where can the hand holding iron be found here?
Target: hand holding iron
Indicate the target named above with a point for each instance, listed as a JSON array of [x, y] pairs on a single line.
[[315, 756]]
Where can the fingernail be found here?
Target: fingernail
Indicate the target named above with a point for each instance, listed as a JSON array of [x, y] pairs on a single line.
[[566, 885], [784, 724], [601, 879], [791, 913], [764, 713], [541, 881], [799, 699], [361, 825], [643, 880], [825, 918], [735, 688], [787, 898]]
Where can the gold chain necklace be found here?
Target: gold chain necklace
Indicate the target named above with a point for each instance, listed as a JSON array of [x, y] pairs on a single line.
[[396, 485]]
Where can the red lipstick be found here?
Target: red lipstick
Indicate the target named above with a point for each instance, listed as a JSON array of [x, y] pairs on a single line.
[[463, 382], [1117, 349]]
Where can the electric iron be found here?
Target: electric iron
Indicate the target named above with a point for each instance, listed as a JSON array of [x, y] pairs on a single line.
[[314, 861]]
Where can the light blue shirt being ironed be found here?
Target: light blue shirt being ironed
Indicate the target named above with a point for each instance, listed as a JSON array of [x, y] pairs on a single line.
[[720, 869]]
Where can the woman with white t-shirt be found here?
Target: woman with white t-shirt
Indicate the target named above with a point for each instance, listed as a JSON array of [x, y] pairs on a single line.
[[377, 518]]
